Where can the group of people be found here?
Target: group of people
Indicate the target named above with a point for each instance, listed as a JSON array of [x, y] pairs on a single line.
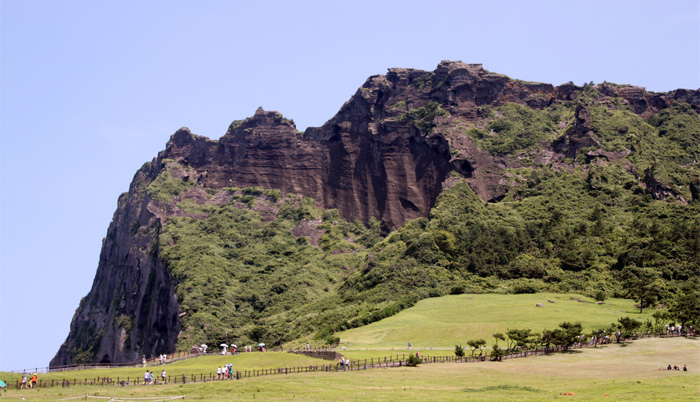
[[673, 329], [148, 377], [224, 373], [344, 362], [676, 368], [161, 359], [32, 382]]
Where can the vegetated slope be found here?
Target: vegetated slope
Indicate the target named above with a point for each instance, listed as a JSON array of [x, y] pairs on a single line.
[[491, 185], [443, 322]]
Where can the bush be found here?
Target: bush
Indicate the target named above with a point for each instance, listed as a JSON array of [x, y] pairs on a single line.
[[497, 353], [459, 351], [413, 361]]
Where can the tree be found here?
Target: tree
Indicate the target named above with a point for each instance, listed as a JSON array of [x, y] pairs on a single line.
[[661, 318], [600, 296], [644, 285], [628, 326], [566, 335], [476, 344], [459, 351], [685, 307], [546, 339], [518, 338], [537, 341], [499, 337]]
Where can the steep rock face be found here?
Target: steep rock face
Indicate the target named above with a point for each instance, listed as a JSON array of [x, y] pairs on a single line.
[[386, 154], [131, 308], [580, 135], [390, 172]]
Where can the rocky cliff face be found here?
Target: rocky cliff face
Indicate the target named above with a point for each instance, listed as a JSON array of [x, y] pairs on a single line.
[[131, 309], [386, 154]]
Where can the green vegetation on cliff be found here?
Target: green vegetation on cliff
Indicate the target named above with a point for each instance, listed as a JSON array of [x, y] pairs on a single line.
[[241, 264]]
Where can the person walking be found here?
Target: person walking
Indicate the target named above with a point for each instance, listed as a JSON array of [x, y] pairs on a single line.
[[218, 373], [162, 376], [34, 380], [23, 382]]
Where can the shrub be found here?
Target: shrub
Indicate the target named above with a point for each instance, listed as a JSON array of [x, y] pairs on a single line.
[[497, 353], [413, 361], [459, 351]]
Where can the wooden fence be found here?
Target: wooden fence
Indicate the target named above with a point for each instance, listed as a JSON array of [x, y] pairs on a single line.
[[177, 356], [397, 360]]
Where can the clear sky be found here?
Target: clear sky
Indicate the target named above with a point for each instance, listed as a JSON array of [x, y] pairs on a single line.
[[90, 90]]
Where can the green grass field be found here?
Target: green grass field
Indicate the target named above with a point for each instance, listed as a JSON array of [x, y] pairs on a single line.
[[441, 323], [626, 371]]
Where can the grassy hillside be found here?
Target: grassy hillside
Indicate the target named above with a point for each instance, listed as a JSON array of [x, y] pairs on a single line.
[[442, 323], [611, 373]]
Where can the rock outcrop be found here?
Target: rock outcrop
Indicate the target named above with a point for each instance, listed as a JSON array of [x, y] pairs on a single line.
[[386, 154], [131, 309]]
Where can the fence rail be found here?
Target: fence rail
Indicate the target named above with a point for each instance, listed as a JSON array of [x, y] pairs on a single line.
[[177, 356], [397, 360]]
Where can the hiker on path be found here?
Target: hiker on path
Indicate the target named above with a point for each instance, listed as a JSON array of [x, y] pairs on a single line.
[[150, 377], [146, 377], [218, 373], [34, 380], [23, 383], [162, 376]]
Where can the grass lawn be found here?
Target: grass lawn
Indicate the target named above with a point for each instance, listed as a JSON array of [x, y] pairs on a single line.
[[624, 372], [199, 365], [443, 322]]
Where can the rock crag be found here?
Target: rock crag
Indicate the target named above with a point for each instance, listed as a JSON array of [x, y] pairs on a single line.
[[387, 154]]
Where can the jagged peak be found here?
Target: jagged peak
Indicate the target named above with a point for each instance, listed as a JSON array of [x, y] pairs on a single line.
[[474, 68], [182, 136]]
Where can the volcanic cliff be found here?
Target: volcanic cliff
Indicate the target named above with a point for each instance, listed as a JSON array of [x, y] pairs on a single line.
[[388, 153]]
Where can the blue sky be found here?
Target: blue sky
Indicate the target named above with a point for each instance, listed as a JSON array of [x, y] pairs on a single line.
[[90, 90]]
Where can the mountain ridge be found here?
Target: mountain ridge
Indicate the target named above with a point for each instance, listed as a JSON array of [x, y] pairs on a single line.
[[400, 141]]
